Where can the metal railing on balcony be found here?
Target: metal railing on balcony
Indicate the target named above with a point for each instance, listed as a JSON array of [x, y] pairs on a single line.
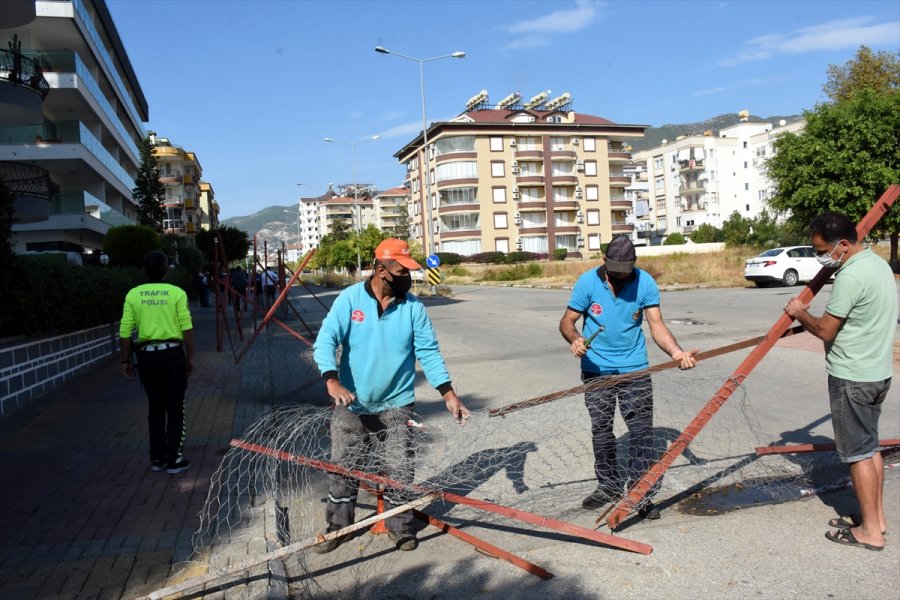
[[26, 180], [18, 69], [70, 62], [65, 132], [75, 203], [88, 23]]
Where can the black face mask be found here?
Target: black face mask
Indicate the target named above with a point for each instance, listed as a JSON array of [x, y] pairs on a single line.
[[399, 284]]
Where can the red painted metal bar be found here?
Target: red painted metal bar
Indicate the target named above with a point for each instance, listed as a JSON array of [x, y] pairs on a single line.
[[562, 526], [633, 498], [482, 545], [802, 448], [268, 317]]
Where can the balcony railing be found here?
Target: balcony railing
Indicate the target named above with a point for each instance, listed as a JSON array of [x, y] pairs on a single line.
[[690, 165], [692, 187], [77, 203], [65, 132], [21, 70], [70, 62], [88, 23], [27, 180]]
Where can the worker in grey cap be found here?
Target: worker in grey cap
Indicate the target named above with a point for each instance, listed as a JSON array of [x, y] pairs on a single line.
[[613, 301]]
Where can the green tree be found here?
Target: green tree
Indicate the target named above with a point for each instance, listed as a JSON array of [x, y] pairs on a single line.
[[674, 239], [148, 192], [765, 230], [401, 229], [189, 255], [736, 230], [340, 230], [867, 70], [706, 234], [366, 241], [843, 160], [335, 254], [237, 242], [126, 245]]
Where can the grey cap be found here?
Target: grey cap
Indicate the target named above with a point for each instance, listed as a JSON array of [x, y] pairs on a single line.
[[620, 255]]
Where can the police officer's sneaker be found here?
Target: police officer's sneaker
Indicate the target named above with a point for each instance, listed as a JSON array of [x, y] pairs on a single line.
[[329, 545], [157, 466], [178, 466], [598, 498], [405, 540]]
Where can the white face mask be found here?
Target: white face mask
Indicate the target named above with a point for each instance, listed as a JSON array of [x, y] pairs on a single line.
[[826, 260]]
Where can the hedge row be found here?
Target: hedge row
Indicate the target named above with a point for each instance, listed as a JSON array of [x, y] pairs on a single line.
[[45, 296], [499, 258]]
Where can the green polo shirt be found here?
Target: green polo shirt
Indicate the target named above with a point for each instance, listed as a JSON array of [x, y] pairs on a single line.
[[864, 295], [159, 311]]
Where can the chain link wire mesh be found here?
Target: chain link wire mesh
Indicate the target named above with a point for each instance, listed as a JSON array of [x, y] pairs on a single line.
[[538, 459]]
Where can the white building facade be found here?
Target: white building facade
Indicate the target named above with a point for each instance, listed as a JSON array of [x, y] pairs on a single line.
[[705, 178], [86, 133]]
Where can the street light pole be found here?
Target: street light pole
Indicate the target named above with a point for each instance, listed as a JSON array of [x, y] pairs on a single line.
[[290, 212], [422, 61], [356, 212]]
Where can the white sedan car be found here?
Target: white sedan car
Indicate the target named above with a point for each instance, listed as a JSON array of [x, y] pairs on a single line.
[[789, 265]]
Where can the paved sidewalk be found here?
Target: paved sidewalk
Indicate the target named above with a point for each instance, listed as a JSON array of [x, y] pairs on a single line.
[[81, 515]]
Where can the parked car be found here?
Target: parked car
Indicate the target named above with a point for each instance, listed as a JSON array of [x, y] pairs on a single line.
[[789, 265], [418, 275]]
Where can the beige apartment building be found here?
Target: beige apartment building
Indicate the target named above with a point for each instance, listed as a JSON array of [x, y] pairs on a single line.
[[179, 172], [209, 208], [532, 176], [392, 208]]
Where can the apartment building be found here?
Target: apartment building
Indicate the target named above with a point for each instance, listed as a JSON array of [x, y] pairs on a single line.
[[180, 173], [311, 228], [209, 208], [705, 178], [533, 176], [83, 137], [392, 209]]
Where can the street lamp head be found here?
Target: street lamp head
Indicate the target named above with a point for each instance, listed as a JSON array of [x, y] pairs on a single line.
[[382, 50], [458, 54], [329, 140], [375, 137]]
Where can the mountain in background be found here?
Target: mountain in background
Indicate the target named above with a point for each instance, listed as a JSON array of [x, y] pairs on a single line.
[[272, 222], [653, 136], [269, 218]]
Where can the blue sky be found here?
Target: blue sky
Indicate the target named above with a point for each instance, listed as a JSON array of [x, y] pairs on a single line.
[[253, 87]]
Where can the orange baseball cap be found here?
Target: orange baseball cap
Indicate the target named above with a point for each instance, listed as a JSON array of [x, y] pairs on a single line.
[[398, 250]]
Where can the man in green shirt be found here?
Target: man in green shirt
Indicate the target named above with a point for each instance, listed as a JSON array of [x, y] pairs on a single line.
[[159, 312], [858, 330]]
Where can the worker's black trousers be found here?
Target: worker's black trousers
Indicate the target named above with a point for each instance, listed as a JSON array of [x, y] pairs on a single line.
[[164, 377]]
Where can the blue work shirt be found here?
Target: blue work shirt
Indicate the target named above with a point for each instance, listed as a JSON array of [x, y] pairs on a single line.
[[379, 351], [620, 347]]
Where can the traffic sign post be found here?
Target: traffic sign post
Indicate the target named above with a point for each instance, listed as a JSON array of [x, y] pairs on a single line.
[[434, 276]]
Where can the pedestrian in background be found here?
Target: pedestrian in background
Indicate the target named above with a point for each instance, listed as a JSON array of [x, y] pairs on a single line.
[[613, 301], [383, 330], [164, 354], [239, 285], [858, 330]]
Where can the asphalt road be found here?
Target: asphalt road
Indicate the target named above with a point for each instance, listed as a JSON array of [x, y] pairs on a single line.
[[502, 345]]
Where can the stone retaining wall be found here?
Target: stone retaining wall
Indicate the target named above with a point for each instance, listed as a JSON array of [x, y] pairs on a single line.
[[30, 369]]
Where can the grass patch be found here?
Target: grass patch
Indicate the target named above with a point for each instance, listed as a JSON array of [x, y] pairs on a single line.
[[513, 273]]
